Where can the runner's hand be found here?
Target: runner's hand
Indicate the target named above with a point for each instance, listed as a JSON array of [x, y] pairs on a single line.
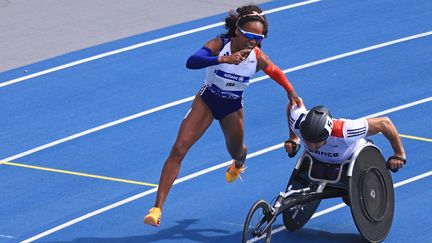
[[294, 100], [235, 58]]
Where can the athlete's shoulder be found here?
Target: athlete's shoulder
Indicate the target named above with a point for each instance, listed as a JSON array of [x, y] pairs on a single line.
[[296, 116], [355, 129], [262, 59], [338, 128], [217, 44], [224, 38], [258, 52]]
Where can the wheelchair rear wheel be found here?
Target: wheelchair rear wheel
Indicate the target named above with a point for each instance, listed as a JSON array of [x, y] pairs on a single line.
[[371, 195]]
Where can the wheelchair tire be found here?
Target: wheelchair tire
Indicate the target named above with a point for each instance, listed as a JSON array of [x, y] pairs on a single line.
[[371, 195]]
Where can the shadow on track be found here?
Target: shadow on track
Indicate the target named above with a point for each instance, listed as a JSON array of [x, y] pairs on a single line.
[[178, 233], [313, 235], [183, 232]]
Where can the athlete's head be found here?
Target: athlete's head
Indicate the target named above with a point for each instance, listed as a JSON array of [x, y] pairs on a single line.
[[316, 127], [248, 25]]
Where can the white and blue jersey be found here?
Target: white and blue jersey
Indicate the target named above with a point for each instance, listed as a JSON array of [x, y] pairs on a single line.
[[228, 80], [224, 84]]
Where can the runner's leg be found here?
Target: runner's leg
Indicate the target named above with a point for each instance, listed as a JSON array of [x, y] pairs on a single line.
[[233, 129], [192, 128]]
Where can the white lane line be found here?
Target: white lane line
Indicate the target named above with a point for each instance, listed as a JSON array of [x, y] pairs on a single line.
[[183, 179], [142, 44], [347, 54], [98, 128], [418, 102], [341, 205], [7, 237], [143, 194], [184, 100], [415, 178]]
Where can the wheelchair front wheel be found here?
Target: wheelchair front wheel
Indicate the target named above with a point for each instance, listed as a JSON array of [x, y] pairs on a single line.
[[258, 218]]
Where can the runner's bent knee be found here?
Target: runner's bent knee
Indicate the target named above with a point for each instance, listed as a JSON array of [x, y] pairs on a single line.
[[179, 149]]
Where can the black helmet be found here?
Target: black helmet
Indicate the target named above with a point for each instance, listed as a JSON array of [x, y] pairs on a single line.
[[317, 125]]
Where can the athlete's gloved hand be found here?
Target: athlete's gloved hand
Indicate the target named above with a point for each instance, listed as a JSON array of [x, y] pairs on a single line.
[[394, 163], [292, 147]]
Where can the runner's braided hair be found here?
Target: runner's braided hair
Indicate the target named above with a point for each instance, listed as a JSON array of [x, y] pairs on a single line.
[[243, 15]]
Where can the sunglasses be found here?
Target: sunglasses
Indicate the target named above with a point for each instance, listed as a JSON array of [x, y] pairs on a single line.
[[251, 36]]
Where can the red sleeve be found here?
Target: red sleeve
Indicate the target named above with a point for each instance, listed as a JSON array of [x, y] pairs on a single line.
[[275, 73], [338, 128]]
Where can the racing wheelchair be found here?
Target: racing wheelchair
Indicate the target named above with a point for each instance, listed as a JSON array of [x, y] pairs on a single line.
[[363, 181]]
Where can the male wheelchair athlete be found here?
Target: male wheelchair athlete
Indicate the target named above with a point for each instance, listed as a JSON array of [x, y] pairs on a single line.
[[364, 180]]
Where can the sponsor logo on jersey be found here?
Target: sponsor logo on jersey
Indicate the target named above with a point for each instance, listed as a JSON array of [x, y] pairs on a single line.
[[231, 76]]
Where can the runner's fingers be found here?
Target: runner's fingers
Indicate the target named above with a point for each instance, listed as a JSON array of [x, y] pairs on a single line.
[[245, 52], [239, 59]]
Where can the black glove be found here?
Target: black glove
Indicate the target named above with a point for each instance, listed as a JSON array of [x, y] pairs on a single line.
[[397, 158], [295, 146]]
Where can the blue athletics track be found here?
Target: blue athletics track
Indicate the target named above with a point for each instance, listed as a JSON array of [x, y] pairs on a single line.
[[84, 136]]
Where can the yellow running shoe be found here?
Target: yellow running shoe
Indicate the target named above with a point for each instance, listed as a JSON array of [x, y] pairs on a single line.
[[233, 172], [154, 217]]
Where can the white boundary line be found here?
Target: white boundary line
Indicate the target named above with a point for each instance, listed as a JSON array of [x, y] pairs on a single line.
[[142, 44], [184, 100], [221, 165], [98, 128]]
